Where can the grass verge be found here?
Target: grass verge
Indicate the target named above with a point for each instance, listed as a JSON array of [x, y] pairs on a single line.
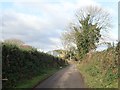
[[34, 81], [100, 70]]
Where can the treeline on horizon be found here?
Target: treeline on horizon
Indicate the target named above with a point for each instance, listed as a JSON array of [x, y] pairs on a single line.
[[20, 64]]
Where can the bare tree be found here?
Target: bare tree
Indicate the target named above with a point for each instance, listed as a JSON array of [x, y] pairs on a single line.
[[86, 31], [14, 41], [98, 16]]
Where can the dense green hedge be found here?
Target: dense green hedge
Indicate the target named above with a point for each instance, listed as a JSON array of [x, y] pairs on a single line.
[[19, 64], [100, 69]]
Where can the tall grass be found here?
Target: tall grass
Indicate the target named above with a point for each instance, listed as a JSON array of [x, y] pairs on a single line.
[[100, 70]]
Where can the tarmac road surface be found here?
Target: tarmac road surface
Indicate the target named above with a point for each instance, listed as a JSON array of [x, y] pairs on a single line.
[[68, 77]]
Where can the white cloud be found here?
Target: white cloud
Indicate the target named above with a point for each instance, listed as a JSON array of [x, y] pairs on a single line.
[[41, 22], [56, 41]]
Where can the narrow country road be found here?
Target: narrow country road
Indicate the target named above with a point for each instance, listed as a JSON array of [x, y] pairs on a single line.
[[68, 77]]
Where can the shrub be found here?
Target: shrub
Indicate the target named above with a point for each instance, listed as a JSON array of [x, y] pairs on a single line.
[[21, 64]]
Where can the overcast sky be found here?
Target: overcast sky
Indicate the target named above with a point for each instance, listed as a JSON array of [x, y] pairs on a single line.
[[40, 23]]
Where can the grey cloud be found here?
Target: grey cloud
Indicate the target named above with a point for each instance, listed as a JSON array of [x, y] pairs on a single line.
[[14, 28]]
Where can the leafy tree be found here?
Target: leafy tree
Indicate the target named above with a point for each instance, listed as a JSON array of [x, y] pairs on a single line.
[[86, 32]]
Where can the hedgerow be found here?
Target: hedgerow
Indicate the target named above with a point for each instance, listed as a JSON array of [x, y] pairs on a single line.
[[19, 64], [101, 69]]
